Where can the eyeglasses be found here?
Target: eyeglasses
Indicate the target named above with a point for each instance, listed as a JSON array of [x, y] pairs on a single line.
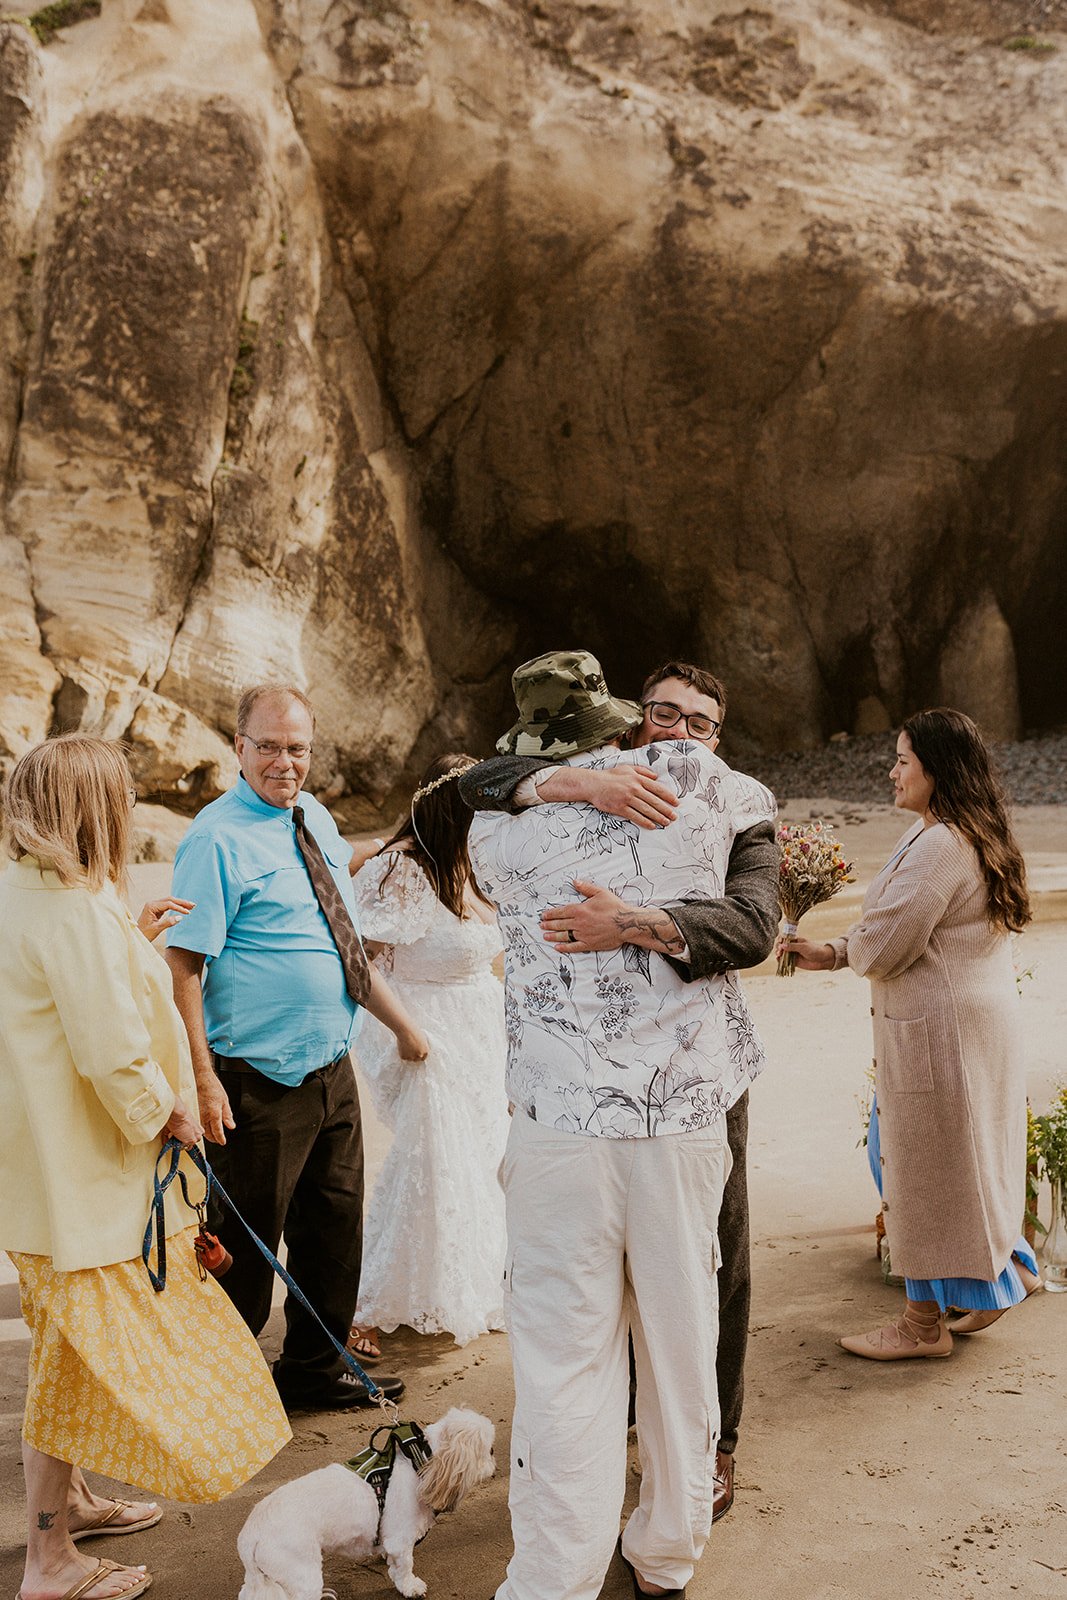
[[666, 715], [131, 795], [267, 747]]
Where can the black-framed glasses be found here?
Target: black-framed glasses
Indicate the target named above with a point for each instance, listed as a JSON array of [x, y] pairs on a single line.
[[268, 748], [665, 715]]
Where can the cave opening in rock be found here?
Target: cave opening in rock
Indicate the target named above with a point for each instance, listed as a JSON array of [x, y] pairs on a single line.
[[1041, 643], [584, 589]]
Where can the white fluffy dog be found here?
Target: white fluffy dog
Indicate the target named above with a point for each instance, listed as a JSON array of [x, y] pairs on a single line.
[[282, 1542]]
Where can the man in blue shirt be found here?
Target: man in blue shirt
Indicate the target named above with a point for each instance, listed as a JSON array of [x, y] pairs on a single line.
[[261, 980]]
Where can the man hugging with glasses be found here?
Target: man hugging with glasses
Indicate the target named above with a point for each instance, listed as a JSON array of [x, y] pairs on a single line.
[[701, 938]]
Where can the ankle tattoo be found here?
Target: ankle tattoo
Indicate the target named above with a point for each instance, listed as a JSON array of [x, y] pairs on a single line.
[[45, 1519]]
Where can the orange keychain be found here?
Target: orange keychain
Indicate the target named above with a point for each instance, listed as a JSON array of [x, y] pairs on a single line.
[[211, 1254]]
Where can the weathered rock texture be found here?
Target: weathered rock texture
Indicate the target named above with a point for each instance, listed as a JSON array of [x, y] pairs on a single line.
[[378, 344]]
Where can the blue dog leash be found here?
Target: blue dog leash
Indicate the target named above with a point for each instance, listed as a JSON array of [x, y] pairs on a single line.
[[155, 1215], [159, 1278]]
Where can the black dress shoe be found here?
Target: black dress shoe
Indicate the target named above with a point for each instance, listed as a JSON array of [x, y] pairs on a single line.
[[642, 1594], [337, 1394]]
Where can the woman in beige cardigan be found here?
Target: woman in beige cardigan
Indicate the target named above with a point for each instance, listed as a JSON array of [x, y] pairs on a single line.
[[950, 1096], [165, 1390]]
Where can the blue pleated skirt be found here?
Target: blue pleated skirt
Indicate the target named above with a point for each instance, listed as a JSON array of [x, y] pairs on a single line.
[[968, 1294]]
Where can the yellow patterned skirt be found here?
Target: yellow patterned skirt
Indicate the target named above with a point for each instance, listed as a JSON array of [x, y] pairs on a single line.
[[165, 1391]]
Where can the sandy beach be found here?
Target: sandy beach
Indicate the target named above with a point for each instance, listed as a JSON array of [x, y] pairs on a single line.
[[854, 1479]]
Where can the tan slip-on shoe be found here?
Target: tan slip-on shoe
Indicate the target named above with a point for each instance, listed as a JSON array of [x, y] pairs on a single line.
[[899, 1341]]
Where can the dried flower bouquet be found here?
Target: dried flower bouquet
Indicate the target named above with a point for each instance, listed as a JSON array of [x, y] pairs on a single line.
[[811, 869]]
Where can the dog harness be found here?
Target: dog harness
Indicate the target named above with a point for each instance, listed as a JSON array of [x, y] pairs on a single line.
[[375, 1466]]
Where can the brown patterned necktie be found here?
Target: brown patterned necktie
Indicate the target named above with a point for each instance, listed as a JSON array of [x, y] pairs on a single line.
[[349, 946]]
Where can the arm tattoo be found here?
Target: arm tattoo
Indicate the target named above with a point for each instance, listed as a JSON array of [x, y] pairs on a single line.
[[45, 1519], [638, 925]]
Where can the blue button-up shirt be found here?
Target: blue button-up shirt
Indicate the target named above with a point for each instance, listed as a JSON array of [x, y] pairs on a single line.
[[274, 986]]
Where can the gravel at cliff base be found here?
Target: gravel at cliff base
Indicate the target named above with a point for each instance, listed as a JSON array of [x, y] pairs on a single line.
[[1033, 771]]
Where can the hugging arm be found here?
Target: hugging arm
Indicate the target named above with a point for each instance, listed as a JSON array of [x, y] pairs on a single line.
[[738, 930], [491, 785], [632, 792], [700, 938]]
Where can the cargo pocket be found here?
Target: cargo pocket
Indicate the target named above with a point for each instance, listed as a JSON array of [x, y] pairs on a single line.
[[906, 1067]]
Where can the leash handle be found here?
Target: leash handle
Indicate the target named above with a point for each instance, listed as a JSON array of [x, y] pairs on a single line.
[[157, 1215], [156, 1218], [200, 1161]]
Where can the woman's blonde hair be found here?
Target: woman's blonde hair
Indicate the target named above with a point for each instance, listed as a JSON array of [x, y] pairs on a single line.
[[67, 802]]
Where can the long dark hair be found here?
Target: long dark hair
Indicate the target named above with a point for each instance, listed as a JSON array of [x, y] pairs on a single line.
[[435, 831], [967, 795]]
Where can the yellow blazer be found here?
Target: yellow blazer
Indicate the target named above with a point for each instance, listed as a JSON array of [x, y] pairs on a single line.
[[92, 1055]]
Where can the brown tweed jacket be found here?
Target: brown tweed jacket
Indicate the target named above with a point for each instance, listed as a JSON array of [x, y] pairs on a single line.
[[948, 1069]]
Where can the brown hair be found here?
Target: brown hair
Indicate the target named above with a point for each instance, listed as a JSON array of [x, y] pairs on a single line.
[[439, 845], [967, 796], [703, 682], [67, 802], [270, 691]]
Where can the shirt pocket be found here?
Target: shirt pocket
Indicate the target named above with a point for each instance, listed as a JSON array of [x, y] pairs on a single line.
[[337, 854], [906, 1066], [282, 907]]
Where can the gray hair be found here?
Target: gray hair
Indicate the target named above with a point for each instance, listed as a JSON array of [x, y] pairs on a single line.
[[270, 691]]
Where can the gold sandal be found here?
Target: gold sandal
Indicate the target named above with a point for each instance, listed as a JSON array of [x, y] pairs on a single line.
[[105, 1522], [98, 1574]]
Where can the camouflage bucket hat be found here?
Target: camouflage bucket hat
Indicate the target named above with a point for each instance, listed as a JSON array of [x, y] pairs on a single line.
[[564, 707]]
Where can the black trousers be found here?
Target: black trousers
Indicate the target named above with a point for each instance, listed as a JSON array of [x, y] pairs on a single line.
[[293, 1166], [735, 1280]]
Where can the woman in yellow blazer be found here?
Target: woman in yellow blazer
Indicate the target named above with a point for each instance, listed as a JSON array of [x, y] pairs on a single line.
[[949, 1125], [166, 1390]]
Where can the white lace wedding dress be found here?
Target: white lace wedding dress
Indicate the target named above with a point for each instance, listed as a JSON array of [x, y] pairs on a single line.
[[433, 1254]]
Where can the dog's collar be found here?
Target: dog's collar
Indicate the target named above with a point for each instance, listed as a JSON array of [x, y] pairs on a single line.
[[375, 1465]]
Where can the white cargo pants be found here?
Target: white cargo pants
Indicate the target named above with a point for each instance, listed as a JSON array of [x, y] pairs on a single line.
[[606, 1237]]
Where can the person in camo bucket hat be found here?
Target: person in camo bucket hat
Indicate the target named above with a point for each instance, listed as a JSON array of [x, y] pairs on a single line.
[[564, 707]]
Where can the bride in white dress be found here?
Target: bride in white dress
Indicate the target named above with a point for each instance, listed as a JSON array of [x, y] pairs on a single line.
[[434, 1236]]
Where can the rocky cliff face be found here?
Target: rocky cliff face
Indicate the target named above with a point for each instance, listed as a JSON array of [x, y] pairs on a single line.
[[379, 344]]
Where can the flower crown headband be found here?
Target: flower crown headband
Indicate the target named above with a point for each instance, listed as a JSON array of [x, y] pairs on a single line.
[[445, 777]]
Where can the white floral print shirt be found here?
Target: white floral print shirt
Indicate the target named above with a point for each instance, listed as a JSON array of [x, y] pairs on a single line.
[[615, 1044]]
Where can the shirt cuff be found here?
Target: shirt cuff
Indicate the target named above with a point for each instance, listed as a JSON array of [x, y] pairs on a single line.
[[527, 791], [683, 953], [149, 1112]]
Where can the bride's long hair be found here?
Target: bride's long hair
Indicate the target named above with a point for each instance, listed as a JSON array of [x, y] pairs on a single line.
[[435, 830]]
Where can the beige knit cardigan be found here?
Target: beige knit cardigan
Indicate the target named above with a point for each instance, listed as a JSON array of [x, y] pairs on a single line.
[[948, 1070]]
